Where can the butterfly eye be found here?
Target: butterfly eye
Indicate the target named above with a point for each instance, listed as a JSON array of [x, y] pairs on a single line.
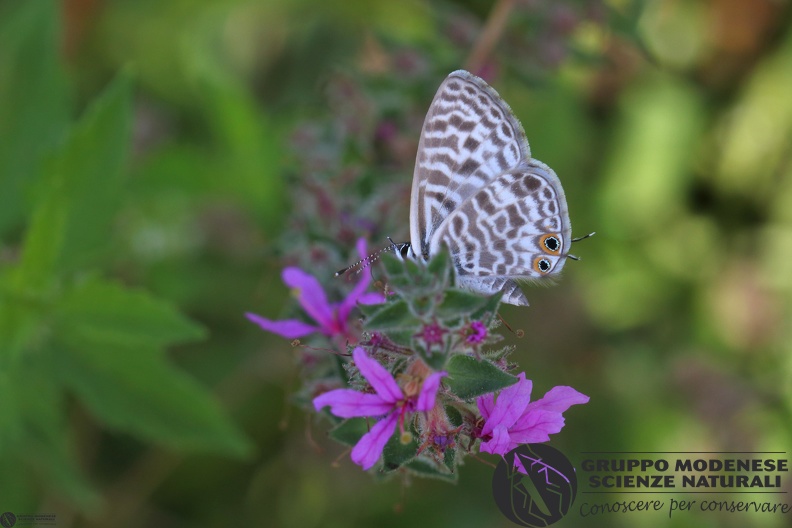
[[550, 243], [542, 264]]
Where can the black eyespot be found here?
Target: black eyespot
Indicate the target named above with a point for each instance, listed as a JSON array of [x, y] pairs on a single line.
[[552, 243], [544, 265], [404, 249]]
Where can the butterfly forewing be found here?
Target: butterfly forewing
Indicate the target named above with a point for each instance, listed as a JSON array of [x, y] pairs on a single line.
[[470, 137]]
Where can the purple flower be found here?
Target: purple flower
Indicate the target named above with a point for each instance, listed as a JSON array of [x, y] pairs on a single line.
[[476, 332], [388, 401], [513, 419], [432, 334], [331, 318]]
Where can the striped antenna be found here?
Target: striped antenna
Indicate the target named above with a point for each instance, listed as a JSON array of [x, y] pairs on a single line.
[[368, 261]]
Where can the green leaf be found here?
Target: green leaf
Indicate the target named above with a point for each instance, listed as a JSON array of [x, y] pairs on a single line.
[[450, 459], [487, 311], [413, 269], [54, 461], [459, 303], [252, 151], [436, 360], [395, 454], [393, 315], [395, 271], [80, 193], [350, 431], [34, 100], [368, 310], [422, 306], [403, 337], [105, 311], [133, 389], [454, 416], [440, 265], [20, 320], [33, 430], [425, 468], [469, 377]]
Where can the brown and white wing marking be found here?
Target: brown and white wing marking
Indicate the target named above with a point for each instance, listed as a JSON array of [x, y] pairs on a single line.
[[470, 137], [515, 227]]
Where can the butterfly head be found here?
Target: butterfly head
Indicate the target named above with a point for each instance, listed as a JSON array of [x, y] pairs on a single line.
[[402, 250]]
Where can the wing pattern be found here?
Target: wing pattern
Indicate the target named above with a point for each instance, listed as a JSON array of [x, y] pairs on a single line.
[[476, 190], [470, 136]]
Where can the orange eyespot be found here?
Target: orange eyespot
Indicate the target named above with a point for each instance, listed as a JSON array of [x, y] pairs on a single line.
[[542, 265], [550, 243]]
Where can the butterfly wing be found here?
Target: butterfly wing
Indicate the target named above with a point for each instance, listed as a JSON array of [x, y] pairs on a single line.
[[470, 136], [515, 227]]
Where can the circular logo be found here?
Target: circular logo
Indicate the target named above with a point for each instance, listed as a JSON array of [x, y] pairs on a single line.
[[7, 519], [534, 485]]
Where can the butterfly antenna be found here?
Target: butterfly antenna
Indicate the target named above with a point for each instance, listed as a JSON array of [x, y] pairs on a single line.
[[367, 261], [578, 239]]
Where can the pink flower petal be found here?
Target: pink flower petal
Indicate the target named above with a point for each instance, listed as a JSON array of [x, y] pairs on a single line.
[[558, 399], [379, 378], [358, 291], [510, 404], [485, 404], [369, 448], [290, 328], [360, 246], [499, 444], [426, 399], [310, 294], [347, 403], [371, 298], [536, 426]]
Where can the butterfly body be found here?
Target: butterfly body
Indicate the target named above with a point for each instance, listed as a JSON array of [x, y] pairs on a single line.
[[477, 191]]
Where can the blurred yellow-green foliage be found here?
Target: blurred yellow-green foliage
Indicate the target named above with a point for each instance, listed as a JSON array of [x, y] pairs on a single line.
[[160, 161]]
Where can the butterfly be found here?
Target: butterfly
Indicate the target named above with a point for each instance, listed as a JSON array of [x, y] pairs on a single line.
[[476, 190]]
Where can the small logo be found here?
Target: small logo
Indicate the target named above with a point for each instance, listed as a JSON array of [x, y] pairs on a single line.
[[8, 519], [534, 485]]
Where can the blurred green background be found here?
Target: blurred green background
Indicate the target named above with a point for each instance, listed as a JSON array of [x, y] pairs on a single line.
[[161, 161]]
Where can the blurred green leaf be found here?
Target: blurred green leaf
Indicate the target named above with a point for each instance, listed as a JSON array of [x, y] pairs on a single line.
[[458, 303], [105, 311], [487, 310], [19, 494], [396, 454], [350, 431], [53, 460], [424, 468], [81, 192], [132, 388], [395, 270], [440, 265], [252, 152], [454, 416], [32, 430], [34, 101], [469, 377], [393, 315]]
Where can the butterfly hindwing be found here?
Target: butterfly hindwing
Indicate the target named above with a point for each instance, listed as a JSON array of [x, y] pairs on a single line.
[[515, 227], [470, 136], [512, 294]]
